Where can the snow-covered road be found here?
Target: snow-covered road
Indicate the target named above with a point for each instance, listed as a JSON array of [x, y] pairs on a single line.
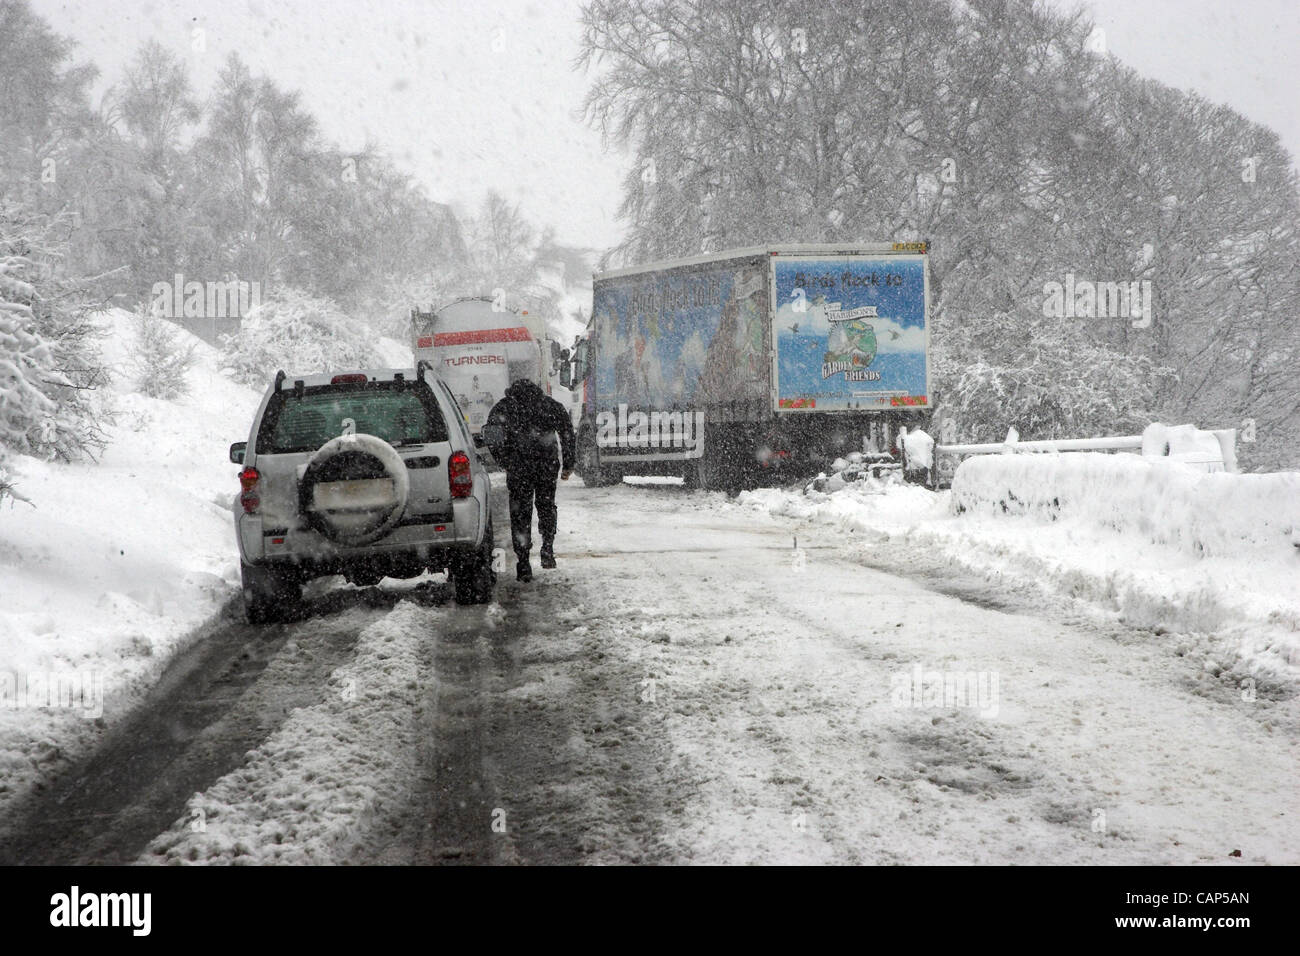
[[798, 694], [690, 686]]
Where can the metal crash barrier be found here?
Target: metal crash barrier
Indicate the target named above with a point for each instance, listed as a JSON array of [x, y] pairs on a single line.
[[1212, 450]]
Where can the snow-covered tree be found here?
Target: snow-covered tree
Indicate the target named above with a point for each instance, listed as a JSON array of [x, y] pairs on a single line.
[[44, 104], [1046, 388], [49, 357], [297, 332], [26, 360], [513, 260], [369, 232], [258, 161], [159, 361]]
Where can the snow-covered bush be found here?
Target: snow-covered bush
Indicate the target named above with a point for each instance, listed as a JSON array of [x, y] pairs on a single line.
[[1052, 389], [6, 485], [297, 332], [158, 359]]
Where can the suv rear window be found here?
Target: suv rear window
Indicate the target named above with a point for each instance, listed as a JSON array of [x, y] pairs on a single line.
[[400, 415]]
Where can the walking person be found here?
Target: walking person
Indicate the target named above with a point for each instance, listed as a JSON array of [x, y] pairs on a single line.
[[531, 437]]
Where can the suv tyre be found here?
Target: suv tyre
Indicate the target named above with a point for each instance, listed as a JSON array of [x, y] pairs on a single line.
[[270, 595], [472, 575]]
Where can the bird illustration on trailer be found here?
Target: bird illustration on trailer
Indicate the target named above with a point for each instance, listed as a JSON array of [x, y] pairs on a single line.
[[850, 332]]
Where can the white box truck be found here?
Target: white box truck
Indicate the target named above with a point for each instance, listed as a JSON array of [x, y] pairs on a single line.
[[734, 368]]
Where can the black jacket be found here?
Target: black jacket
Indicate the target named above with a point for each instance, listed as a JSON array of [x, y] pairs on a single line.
[[521, 430]]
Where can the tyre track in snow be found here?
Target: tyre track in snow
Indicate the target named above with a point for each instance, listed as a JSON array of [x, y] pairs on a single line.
[[535, 754], [223, 696], [816, 810], [732, 751], [582, 757], [534, 750]]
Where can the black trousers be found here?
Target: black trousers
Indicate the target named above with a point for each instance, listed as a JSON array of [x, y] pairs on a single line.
[[525, 485]]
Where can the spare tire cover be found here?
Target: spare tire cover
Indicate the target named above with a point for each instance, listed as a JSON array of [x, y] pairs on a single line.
[[355, 458]]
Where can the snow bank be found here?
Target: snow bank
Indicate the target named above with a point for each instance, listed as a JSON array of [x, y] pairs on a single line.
[[886, 505], [869, 471], [1153, 499], [309, 792], [1158, 544], [117, 562]]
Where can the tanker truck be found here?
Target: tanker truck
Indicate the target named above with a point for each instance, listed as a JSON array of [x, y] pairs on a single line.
[[478, 347], [752, 366]]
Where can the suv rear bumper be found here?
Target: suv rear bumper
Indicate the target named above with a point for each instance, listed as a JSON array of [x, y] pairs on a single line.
[[410, 547]]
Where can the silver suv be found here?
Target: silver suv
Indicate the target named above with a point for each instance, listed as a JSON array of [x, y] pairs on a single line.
[[367, 474]]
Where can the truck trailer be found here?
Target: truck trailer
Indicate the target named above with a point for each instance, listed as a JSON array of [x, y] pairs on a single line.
[[752, 366]]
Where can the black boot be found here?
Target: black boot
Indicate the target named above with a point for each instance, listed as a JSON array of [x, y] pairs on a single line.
[[524, 570], [548, 554]]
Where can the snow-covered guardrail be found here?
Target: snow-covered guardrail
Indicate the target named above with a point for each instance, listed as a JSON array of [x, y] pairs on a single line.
[[1213, 450], [1160, 499], [1012, 444]]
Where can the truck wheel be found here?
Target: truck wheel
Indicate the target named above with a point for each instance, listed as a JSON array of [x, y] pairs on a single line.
[[472, 574], [714, 470], [592, 475], [269, 595], [711, 475], [697, 476]]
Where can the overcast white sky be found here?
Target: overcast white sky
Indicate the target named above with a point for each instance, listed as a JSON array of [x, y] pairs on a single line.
[[476, 95]]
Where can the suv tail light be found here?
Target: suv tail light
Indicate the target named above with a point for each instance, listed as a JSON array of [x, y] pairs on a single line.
[[352, 378], [250, 499], [458, 475]]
